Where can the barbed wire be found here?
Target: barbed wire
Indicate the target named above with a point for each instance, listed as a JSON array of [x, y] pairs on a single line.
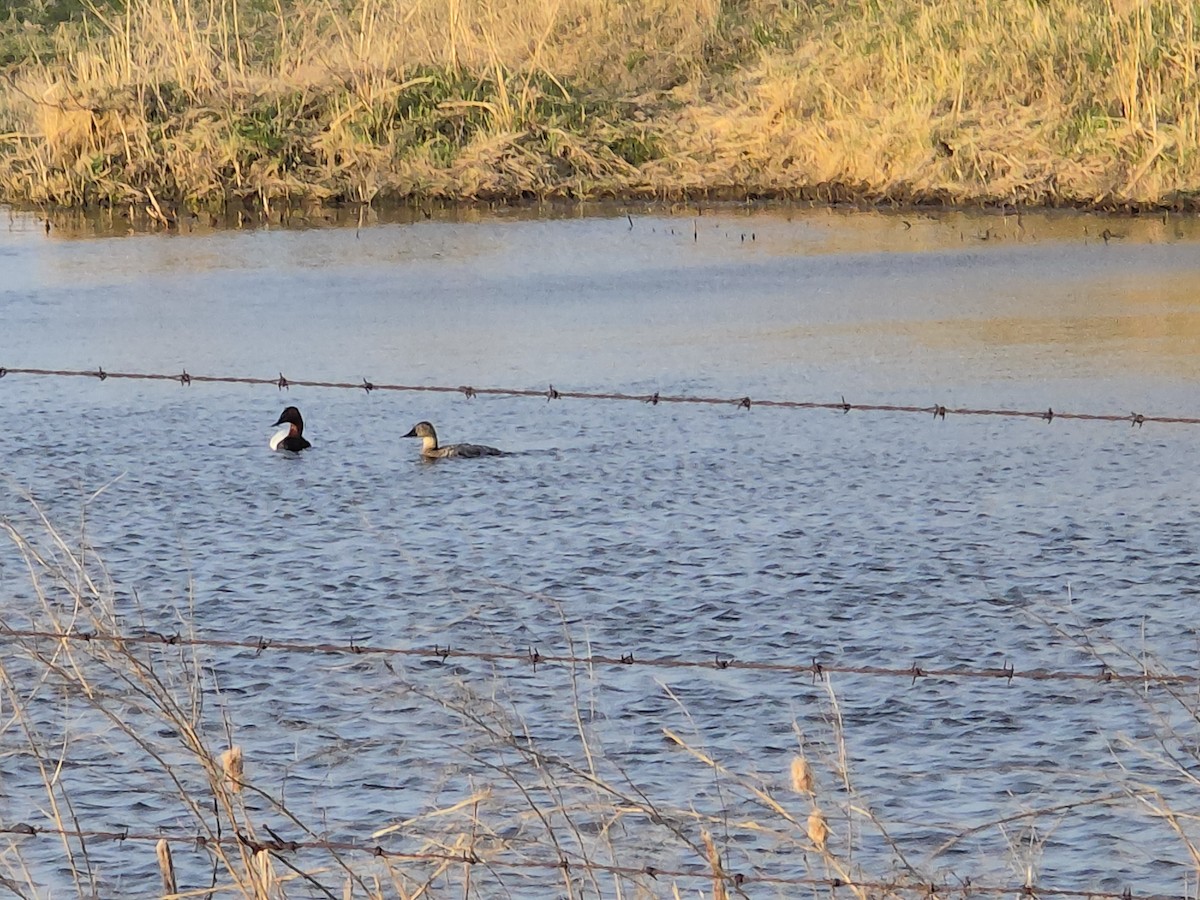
[[534, 658], [276, 846], [939, 411]]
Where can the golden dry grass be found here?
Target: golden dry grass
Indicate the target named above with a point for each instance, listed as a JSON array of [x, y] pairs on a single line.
[[200, 102], [1038, 102]]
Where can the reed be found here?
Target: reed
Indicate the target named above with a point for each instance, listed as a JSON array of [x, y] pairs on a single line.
[[147, 710], [150, 720], [166, 867], [164, 106]]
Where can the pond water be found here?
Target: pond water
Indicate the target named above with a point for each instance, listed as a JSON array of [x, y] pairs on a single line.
[[690, 532]]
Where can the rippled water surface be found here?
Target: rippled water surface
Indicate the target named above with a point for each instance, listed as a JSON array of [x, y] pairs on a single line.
[[656, 532]]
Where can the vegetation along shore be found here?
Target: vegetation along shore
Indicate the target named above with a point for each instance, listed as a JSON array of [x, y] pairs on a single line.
[[202, 104]]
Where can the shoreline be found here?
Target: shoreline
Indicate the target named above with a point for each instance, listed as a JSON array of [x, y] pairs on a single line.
[[170, 218], [170, 213]]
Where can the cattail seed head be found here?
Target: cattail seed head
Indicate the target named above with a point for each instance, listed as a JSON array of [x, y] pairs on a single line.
[[802, 777], [818, 829], [231, 762], [166, 866]]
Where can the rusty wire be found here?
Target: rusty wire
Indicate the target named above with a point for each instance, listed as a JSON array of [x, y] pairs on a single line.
[[567, 863], [937, 410], [534, 658]]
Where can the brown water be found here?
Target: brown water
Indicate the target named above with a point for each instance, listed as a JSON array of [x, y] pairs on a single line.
[[689, 532]]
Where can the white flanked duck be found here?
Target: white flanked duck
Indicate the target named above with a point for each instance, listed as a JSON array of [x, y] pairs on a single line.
[[431, 450], [292, 437]]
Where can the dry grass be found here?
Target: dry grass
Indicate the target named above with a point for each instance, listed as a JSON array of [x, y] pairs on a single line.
[[170, 103], [1053, 101], [202, 101], [113, 734]]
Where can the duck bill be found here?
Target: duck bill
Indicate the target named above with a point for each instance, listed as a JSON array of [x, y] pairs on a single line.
[[412, 433], [278, 421]]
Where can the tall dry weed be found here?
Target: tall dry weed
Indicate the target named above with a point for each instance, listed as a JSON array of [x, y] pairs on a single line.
[[149, 716], [138, 715]]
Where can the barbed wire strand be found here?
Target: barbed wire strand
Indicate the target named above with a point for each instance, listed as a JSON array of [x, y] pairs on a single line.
[[937, 410], [533, 657], [929, 889]]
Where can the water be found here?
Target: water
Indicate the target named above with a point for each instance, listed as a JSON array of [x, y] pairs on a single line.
[[689, 532]]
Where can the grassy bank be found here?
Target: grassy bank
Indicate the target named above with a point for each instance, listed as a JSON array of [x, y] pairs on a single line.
[[200, 103]]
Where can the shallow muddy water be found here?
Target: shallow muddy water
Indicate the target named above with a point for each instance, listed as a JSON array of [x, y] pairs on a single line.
[[674, 531]]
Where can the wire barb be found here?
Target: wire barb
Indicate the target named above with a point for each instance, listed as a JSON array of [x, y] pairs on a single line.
[[100, 373], [367, 386], [282, 383], [185, 379], [280, 843]]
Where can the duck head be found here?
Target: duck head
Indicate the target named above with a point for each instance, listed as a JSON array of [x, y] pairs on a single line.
[[291, 416], [424, 431]]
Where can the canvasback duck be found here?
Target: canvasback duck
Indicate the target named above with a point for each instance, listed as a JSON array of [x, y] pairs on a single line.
[[431, 450], [292, 437]]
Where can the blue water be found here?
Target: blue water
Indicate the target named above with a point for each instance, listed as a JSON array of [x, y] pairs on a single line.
[[676, 531]]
